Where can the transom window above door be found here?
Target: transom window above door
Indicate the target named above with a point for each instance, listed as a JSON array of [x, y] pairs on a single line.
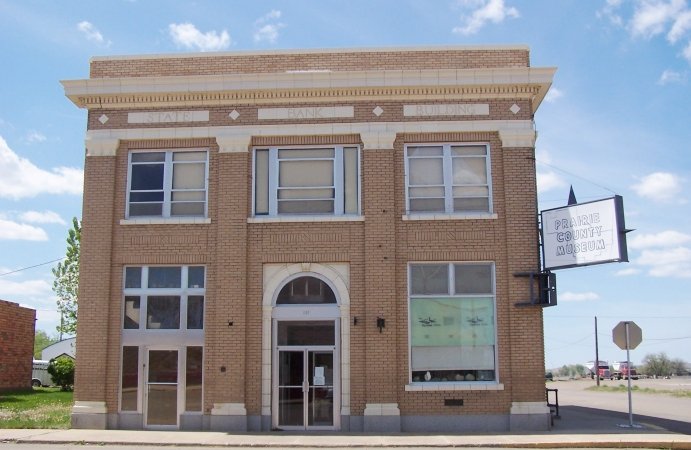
[[305, 291], [306, 181]]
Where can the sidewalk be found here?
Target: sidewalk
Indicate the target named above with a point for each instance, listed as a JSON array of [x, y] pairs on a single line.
[[629, 439]]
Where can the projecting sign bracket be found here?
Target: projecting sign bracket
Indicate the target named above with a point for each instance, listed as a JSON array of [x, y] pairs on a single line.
[[546, 294]]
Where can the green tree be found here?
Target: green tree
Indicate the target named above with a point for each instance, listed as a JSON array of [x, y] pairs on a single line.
[[657, 364], [41, 341], [678, 366], [66, 283], [61, 370]]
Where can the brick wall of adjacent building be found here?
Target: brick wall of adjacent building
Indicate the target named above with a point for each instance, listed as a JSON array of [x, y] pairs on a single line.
[[377, 250], [16, 345]]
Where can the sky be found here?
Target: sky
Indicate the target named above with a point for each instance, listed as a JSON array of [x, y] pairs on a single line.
[[616, 122]]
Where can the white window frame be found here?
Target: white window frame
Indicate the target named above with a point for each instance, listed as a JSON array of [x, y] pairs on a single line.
[[143, 292], [162, 339], [142, 354], [168, 164], [338, 177], [452, 385], [447, 167]]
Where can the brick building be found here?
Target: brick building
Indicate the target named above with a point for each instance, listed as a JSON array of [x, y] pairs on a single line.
[[311, 240], [16, 345]]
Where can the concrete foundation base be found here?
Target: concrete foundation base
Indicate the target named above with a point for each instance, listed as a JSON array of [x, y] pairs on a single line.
[[89, 415], [382, 417], [529, 416]]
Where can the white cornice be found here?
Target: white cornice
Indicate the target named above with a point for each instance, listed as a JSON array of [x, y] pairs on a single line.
[[375, 136], [321, 87]]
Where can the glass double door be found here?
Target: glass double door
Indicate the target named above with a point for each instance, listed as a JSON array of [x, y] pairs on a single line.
[[305, 389], [306, 377]]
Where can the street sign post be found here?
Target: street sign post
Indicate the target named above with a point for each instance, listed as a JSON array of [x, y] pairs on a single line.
[[627, 335]]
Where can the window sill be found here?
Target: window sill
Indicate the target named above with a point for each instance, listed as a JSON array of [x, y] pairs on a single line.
[[453, 216], [460, 386], [165, 221], [279, 219]]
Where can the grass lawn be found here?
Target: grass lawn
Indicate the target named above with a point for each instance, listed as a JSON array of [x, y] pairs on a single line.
[[37, 408], [645, 390]]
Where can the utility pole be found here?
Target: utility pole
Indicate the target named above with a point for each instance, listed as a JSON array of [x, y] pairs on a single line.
[[597, 357]]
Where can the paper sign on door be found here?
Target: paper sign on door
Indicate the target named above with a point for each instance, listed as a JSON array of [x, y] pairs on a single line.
[[318, 376]]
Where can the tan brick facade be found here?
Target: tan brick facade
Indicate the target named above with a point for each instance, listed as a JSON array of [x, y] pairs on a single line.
[[372, 250], [16, 345]]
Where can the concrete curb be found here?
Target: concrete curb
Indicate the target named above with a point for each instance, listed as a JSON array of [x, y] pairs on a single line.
[[289, 440]]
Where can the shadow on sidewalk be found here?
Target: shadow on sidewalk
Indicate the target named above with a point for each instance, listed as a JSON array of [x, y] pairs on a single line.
[[582, 420]]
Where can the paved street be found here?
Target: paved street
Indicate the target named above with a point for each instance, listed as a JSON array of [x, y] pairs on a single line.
[[581, 409]]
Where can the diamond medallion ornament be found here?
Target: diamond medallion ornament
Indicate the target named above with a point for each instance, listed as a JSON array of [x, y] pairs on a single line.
[[515, 108], [103, 119], [234, 114], [378, 111]]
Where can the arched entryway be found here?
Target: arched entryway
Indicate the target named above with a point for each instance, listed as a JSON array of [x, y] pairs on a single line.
[[306, 350]]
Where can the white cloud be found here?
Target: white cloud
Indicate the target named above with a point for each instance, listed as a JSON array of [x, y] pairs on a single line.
[[13, 231], [188, 36], [553, 95], [42, 217], [35, 137], [609, 11], [686, 53], [577, 296], [20, 178], [91, 33], [668, 238], [547, 179], [660, 186], [663, 254], [482, 12], [627, 272], [651, 17], [681, 25], [669, 262], [30, 288], [671, 76], [266, 28]]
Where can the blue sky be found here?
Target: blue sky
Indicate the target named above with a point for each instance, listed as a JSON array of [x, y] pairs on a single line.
[[617, 121]]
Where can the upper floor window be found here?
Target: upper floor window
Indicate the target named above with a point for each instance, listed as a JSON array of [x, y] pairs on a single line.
[[306, 181], [448, 178], [167, 184]]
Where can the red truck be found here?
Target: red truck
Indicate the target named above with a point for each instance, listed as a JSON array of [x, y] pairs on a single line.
[[602, 369], [622, 369]]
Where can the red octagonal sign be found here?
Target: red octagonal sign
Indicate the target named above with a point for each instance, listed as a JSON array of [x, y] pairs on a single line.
[[619, 335]]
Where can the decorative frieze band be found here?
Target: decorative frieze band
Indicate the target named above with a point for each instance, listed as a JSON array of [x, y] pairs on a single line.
[[379, 136], [306, 113], [449, 109], [168, 117]]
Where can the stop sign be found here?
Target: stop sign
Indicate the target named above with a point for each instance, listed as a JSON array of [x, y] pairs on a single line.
[[619, 335]]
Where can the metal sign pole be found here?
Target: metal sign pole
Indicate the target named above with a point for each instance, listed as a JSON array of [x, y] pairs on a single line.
[[628, 371]]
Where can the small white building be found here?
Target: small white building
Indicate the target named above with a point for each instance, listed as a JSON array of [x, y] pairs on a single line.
[[65, 347]]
